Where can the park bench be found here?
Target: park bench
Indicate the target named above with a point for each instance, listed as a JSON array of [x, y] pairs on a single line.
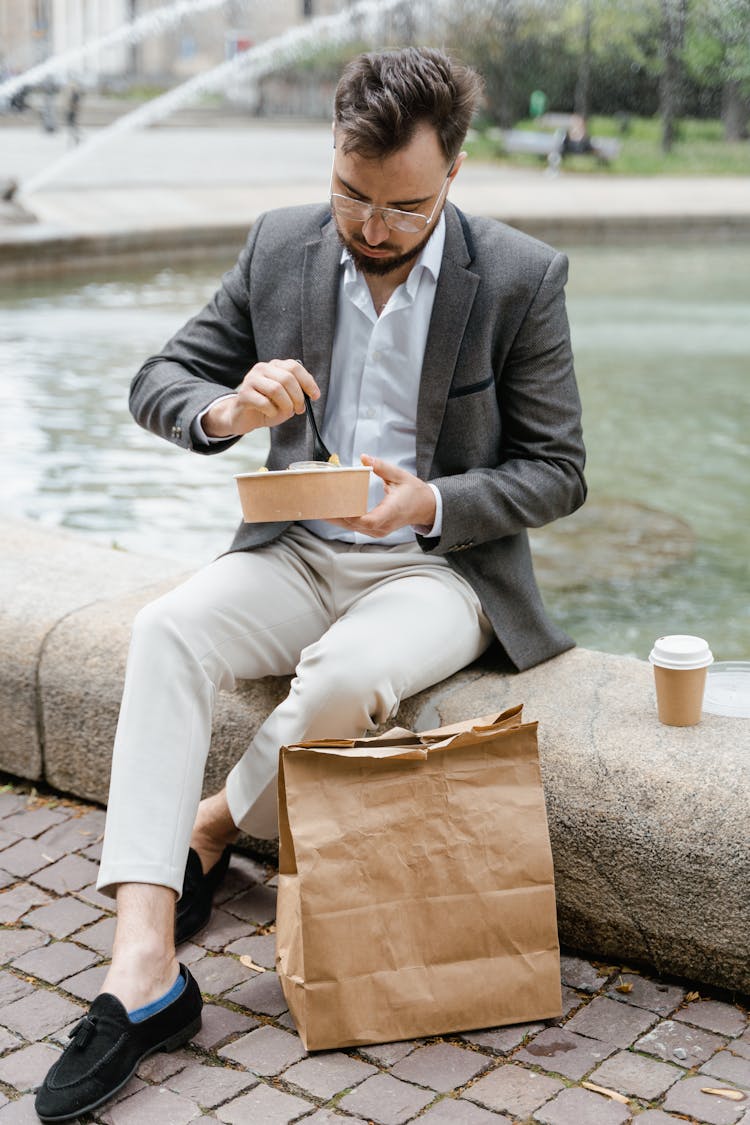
[[550, 145]]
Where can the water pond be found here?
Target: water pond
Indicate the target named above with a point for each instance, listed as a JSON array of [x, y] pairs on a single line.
[[662, 342]]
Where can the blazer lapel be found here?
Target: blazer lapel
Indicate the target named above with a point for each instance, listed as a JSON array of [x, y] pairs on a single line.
[[454, 297], [318, 315]]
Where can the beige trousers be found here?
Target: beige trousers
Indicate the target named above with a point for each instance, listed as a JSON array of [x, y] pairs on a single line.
[[360, 627]]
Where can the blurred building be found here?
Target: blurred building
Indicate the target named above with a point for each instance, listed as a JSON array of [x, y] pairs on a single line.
[[32, 30]]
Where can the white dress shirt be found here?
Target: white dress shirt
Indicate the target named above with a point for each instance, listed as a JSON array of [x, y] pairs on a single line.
[[376, 363]]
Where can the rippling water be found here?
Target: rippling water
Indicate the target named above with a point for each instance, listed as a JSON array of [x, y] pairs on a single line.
[[662, 340]]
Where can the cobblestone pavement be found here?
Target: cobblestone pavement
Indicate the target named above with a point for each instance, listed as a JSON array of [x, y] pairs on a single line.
[[653, 1047]]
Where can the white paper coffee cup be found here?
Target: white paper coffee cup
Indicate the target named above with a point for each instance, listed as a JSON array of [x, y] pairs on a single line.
[[680, 663]]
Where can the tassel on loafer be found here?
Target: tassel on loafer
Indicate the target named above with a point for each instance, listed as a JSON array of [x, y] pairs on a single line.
[[198, 890], [106, 1049]]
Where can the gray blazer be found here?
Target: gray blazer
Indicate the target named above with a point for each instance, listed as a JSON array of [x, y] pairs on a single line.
[[498, 419]]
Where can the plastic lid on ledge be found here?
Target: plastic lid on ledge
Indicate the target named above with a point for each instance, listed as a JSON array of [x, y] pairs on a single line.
[[728, 689]]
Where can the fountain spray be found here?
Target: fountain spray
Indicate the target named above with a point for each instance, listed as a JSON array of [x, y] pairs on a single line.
[[361, 18]]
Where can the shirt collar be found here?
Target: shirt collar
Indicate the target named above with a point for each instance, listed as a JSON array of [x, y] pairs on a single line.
[[430, 258]]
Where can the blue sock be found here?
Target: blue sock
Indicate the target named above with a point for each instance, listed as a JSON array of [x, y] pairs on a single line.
[[140, 1014]]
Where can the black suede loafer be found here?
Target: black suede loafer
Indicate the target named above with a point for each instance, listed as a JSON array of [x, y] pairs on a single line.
[[198, 890], [106, 1049]]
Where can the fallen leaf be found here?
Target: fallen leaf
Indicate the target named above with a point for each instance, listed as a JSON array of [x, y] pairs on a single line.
[[613, 1094], [623, 986], [724, 1092], [250, 964], [692, 996]]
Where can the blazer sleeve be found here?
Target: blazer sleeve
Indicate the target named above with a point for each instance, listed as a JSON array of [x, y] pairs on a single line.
[[209, 356], [538, 476]]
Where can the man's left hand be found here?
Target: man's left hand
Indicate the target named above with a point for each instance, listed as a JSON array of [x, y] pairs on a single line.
[[408, 501]]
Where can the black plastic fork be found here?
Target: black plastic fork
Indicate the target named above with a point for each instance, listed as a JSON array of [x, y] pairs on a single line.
[[320, 450]]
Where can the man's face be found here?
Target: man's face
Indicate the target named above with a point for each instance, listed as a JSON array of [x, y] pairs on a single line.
[[412, 179]]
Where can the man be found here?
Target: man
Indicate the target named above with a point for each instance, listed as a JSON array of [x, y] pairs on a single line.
[[435, 345]]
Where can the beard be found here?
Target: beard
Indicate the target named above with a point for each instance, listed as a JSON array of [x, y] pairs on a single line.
[[379, 267]]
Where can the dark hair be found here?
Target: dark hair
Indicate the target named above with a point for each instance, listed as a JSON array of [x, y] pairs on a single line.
[[383, 97]]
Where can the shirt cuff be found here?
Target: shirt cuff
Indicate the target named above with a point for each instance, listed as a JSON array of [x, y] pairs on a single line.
[[436, 530], [199, 435]]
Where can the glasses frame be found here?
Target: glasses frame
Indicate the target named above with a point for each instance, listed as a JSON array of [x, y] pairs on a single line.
[[385, 212]]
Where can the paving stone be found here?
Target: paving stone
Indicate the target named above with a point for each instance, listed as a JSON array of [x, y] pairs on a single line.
[[219, 1024], [86, 985], [38, 1015], [26, 857], [513, 1089], [35, 821], [261, 994], [63, 917], [12, 988], [657, 1117], [676, 1042], [263, 1106], [6, 880], [257, 905], [712, 1015], [501, 1040], [189, 953], [20, 1112], [611, 1021], [94, 851], [14, 942], [152, 1105], [69, 874], [76, 833], [386, 1054], [218, 974], [18, 900], [25, 1069], [221, 930], [741, 1046], [157, 1068], [265, 1051], [324, 1075], [564, 1052], [8, 1039], [99, 936], [645, 993], [386, 1100], [11, 803], [686, 1097], [330, 1117], [56, 961], [727, 1065], [582, 1107], [242, 873], [580, 974], [96, 898], [209, 1086], [448, 1111], [7, 838], [636, 1076], [570, 1000], [440, 1066], [261, 948]]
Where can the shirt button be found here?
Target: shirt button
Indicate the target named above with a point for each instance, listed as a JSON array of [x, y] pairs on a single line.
[[376, 355], [371, 412]]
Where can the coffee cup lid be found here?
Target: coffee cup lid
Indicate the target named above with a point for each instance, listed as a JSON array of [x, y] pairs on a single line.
[[681, 651]]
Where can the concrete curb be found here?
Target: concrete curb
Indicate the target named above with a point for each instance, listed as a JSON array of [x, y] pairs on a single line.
[[37, 250], [648, 823]]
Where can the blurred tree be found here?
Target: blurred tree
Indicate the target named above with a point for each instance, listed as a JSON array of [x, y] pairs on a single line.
[[717, 52], [674, 15]]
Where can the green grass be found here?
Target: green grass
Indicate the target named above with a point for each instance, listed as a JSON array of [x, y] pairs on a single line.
[[700, 150]]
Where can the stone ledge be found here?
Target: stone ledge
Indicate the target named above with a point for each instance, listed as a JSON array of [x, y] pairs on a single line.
[[649, 824]]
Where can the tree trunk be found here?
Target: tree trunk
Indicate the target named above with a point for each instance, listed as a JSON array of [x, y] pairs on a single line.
[[735, 112], [582, 98], [670, 88]]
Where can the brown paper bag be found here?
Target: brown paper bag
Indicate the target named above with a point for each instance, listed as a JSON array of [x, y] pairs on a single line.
[[416, 892]]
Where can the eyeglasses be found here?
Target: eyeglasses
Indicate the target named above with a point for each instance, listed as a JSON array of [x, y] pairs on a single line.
[[357, 211]]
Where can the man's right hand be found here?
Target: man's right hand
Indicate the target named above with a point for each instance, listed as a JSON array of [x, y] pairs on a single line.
[[269, 394]]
